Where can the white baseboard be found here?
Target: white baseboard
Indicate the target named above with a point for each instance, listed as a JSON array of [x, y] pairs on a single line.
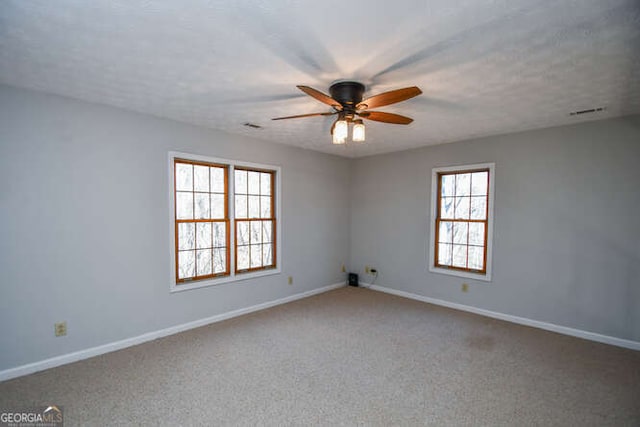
[[64, 359], [592, 336]]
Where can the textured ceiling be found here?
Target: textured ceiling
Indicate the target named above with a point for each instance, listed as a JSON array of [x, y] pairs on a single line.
[[485, 67]]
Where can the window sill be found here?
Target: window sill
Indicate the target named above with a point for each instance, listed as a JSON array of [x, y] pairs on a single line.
[[465, 274], [223, 280]]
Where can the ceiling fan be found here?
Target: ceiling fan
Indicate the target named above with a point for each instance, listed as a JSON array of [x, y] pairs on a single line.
[[346, 100]]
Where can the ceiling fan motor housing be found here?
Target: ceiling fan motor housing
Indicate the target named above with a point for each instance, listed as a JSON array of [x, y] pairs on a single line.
[[348, 94]]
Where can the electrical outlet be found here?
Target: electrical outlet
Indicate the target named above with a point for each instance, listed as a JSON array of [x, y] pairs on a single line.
[[60, 329], [465, 287], [343, 268], [291, 280], [367, 269]]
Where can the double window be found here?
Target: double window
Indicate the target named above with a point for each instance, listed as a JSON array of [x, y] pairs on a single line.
[[224, 220], [462, 222]]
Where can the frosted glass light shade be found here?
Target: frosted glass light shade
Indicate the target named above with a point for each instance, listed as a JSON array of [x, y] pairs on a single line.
[[358, 131], [340, 132]]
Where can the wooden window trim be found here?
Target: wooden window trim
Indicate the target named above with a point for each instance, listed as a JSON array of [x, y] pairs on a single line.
[[439, 219], [177, 221], [272, 218]]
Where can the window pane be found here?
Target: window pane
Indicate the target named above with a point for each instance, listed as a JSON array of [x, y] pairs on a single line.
[[217, 206], [254, 182], [241, 207], [479, 182], [267, 230], [184, 205], [444, 254], [265, 184], [202, 206], [265, 207], [203, 261], [446, 208], [459, 256], [184, 177], [219, 234], [243, 233], [476, 255], [445, 233], [256, 256], [448, 185], [463, 184], [267, 256], [186, 236], [254, 206], [219, 260], [243, 258], [256, 231], [186, 264], [203, 235], [217, 180], [200, 178], [460, 230], [479, 207], [476, 233], [462, 208], [241, 182]]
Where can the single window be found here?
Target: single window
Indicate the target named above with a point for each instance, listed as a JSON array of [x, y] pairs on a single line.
[[461, 225], [224, 220], [201, 220], [255, 219]]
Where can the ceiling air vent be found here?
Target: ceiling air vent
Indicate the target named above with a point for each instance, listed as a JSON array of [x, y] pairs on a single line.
[[252, 125], [589, 111]]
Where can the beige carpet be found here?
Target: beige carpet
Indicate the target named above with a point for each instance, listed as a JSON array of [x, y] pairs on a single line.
[[347, 357]]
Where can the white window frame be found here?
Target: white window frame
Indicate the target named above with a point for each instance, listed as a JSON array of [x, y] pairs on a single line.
[[233, 276], [434, 212]]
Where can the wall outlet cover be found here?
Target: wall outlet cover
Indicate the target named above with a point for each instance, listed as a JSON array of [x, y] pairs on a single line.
[[60, 329]]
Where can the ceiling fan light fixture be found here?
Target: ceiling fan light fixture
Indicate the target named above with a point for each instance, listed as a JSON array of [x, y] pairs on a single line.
[[358, 131]]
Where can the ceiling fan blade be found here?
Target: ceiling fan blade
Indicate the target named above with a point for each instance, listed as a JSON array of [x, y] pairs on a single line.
[[305, 115], [391, 97], [379, 116], [320, 96]]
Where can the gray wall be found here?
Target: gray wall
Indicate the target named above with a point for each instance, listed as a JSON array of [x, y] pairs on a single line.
[[84, 224], [567, 224]]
